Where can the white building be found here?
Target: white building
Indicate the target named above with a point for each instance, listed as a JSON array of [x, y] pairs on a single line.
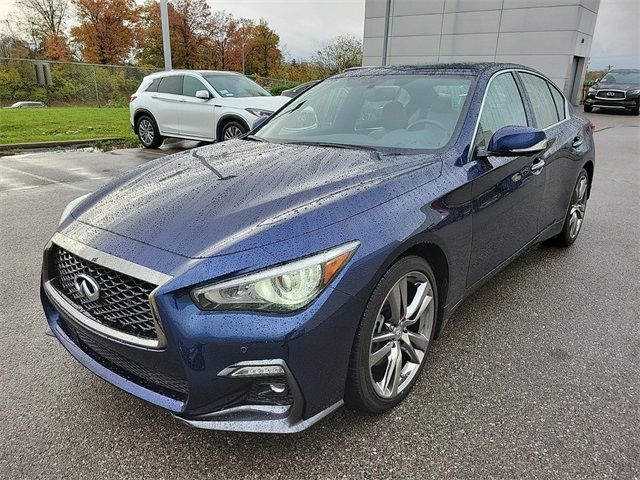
[[553, 36]]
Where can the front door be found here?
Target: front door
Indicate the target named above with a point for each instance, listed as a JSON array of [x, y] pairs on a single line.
[[197, 114], [506, 192]]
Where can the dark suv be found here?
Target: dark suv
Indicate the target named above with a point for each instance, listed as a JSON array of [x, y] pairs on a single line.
[[618, 89]]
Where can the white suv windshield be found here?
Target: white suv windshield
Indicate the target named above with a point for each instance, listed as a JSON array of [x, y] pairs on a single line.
[[398, 112], [235, 86]]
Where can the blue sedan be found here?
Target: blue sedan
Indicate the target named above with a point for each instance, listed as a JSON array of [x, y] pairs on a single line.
[[261, 283]]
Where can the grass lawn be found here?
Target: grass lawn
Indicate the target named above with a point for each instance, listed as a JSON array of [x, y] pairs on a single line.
[[65, 123]]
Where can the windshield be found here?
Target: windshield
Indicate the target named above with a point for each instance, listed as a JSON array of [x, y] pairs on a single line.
[[235, 86], [622, 77], [414, 112]]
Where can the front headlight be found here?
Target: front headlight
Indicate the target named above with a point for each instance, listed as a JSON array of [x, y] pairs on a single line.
[[258, 112], [634, 92], [284, 288], [70, 206], [591, 90]]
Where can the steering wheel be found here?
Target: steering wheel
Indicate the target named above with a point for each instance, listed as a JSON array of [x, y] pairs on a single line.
[[418, 126]]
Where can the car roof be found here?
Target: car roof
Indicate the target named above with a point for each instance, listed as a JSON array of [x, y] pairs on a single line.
[[464, 68], [183, 71]]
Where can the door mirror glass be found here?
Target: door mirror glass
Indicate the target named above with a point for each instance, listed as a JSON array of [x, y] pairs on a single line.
[[514, 141], [203, 94]]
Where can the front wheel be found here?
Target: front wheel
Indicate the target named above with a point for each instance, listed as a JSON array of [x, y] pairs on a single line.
[[588, 108], [232, 129], [575, 215], [393, 339]]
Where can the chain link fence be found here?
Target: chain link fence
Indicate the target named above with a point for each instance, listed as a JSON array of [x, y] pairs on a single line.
[[68, 83]]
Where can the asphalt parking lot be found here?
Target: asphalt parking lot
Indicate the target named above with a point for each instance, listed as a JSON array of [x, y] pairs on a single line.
[[537, 375]]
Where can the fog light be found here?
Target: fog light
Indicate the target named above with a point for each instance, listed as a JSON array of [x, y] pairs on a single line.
[[277, 387], [258, 371], [269, 391]]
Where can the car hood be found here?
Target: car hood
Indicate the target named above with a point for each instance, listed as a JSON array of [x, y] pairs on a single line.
[[615, 86], [265, 103], [240, 194]]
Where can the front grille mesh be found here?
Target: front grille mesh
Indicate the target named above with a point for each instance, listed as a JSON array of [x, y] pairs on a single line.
[[123, 303]]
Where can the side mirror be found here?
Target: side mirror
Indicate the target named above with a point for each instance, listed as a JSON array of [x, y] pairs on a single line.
[[258, 121], [515, 141], [203, 94]]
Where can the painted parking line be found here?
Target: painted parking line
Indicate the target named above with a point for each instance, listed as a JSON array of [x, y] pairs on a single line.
[[46, 179]]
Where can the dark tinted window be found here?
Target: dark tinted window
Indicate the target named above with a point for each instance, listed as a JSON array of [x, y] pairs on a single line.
[[503, 107], [154, 85], [558, 99], [190, 85], [544, 107], [170, 84]]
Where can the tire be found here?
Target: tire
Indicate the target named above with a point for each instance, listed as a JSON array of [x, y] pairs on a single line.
[[588, 108], [232, 129], [635, 111], [575, 212], [369, 367], [148, 132]]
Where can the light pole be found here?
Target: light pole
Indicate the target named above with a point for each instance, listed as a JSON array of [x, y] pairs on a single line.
[[166, 44]]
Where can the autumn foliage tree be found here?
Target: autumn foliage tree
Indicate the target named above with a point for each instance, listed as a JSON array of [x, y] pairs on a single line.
[[106, 30]]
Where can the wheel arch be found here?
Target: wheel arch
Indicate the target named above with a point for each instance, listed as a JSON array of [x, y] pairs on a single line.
[[136, 116], [229, 117], [588, 166]]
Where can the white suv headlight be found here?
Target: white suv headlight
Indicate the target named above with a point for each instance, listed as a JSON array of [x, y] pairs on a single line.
[[284, 288], [258, 112]]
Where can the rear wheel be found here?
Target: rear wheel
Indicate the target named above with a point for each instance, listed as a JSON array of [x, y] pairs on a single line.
[[393, 339], [148, 132], [588, 108], [231, 130], [575, 215]]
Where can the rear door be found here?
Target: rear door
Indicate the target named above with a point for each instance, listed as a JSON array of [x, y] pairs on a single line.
[[197, 114], [567, 142], [166, 104], [506, 193]]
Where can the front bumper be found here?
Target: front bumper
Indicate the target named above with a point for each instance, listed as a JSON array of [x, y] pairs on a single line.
[[185, 373], [619, 104]]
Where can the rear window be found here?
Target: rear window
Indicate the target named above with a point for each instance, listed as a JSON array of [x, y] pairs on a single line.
[[153, 87], [543, 104], [172, 84]]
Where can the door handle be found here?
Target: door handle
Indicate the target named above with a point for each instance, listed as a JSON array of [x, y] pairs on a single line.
[[537, 166], [577, 141]]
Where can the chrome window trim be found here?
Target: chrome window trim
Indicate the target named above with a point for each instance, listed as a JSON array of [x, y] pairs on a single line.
[[113, 263], [484, 97], [624, 92]]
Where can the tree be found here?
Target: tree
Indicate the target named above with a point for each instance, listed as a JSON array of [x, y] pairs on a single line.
[[224, 29], [43, 21], [106, 30], [190, 23], [263, 54], [342, 52]]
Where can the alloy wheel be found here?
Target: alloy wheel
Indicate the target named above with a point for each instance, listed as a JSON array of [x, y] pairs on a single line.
[[401, 334], [232, 132], [578, 207], [146, 131]]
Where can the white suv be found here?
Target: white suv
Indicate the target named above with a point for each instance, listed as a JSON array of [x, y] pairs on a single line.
[[198, 105]]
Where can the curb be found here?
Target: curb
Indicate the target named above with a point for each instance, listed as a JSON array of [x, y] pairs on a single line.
[[58, 143]]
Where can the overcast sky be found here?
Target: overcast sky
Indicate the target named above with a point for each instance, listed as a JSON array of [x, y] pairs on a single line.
[[304, 25]]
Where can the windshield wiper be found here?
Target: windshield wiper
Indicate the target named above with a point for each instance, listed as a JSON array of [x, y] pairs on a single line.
[[346, 146], [255, 138]]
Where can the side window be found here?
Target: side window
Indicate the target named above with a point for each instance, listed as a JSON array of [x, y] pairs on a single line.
[[153, 87], [544, 107], [503, 107], [558, 99], [190, 85], [170, 84]]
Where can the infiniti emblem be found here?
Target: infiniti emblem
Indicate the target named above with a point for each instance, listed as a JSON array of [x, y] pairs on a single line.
[[87, 287], [610, 94]]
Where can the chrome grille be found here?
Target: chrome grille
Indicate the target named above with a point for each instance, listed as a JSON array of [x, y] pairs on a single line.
[[123, 303], [610, 94]]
